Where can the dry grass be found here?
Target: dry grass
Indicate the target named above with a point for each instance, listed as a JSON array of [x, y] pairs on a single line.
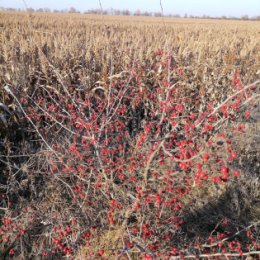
[[208, 49], [110, 242]]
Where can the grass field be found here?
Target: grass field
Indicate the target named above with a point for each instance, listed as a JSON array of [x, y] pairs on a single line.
[[128, 137]]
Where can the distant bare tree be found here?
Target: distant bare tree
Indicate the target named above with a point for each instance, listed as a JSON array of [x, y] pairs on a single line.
[[73, 10], [145, 13], [245, 17], [158, 14], [126, 12], [137, 12], [117, 12], [40, 10], [30, 10], [46, 10]]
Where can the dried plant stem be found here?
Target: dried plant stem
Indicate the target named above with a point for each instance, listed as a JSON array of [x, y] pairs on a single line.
[[214, 255]]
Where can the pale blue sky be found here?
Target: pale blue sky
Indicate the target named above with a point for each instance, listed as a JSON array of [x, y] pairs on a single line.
[[194, 7]]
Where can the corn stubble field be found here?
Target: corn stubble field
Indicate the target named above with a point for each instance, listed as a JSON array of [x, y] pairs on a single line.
[[128, 137]]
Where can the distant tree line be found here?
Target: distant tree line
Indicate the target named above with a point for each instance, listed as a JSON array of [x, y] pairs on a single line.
[[126, 12]]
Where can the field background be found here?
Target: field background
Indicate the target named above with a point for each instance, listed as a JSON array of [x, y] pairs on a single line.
[[210, 50]]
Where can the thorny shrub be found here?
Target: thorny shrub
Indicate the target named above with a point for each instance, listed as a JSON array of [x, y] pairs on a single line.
[[124, 156]]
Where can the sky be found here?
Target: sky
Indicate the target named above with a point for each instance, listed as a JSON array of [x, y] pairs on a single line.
[[191, 7]]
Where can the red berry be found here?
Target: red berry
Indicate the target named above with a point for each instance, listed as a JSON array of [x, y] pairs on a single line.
[[101, 252], [224, 169], [204, 176], [67, 251], [198, 166], [147, 257], [68, 229], [216, 179], [192, 116], [220, 244], [234, 155], [225, 176], [11, 251], [236, 173], [205, 157], [247, 114]]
